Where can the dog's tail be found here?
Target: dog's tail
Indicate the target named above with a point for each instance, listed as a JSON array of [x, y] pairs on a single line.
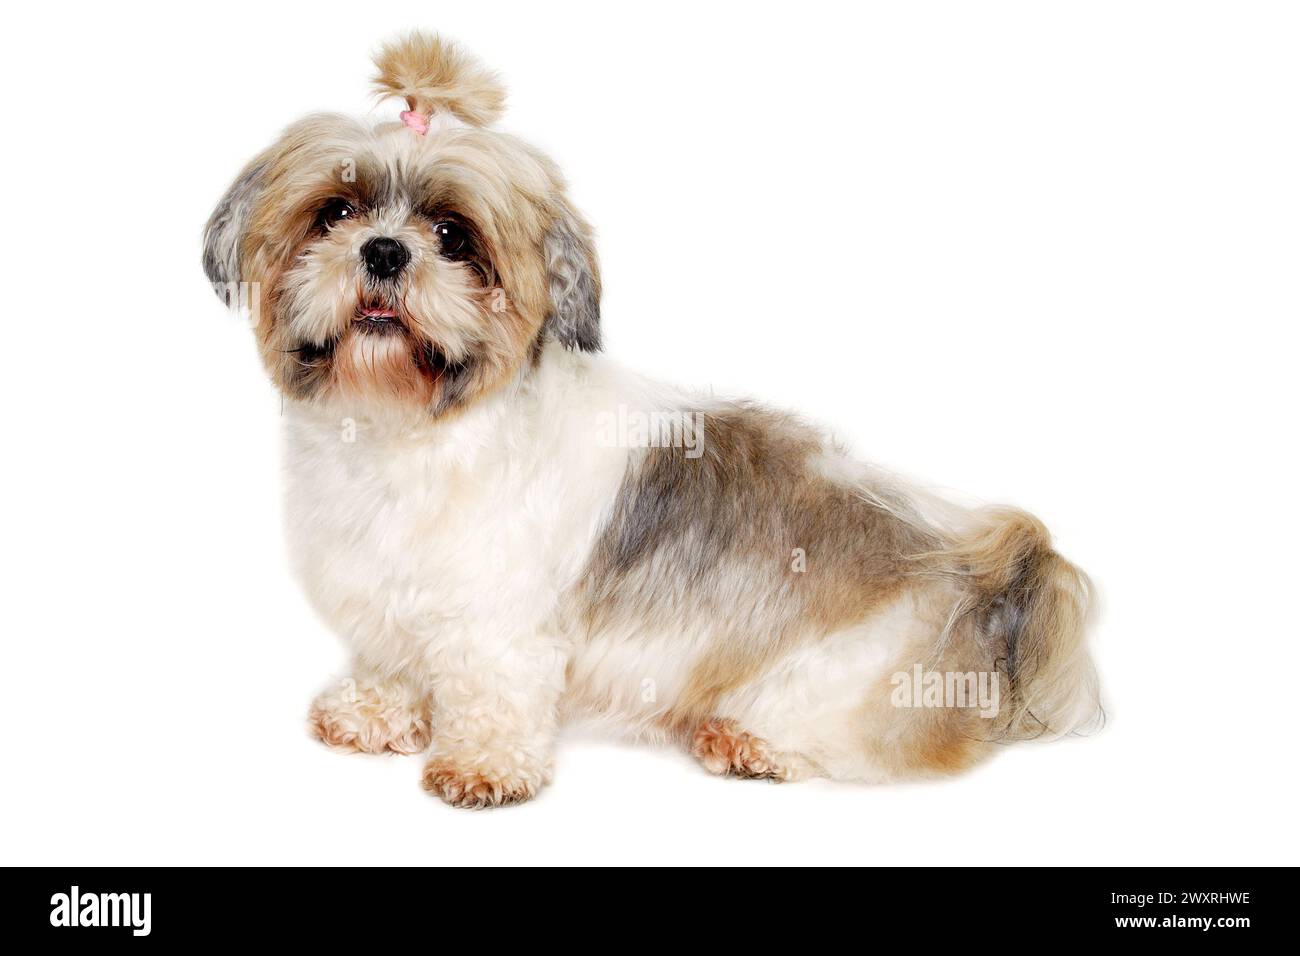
[[1032, 607]]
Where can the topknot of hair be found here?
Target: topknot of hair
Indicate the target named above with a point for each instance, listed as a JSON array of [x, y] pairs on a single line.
[[435, 75]]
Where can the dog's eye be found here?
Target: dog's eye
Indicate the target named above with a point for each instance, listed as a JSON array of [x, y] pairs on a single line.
[[453, 239], [335, 211]]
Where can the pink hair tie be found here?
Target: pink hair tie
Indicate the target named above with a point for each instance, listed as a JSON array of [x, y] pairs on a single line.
[[416, 121]]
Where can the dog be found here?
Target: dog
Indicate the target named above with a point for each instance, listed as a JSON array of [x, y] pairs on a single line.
[[512, 533]]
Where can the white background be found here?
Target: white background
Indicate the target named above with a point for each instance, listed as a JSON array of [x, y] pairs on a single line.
[[1042, 253]]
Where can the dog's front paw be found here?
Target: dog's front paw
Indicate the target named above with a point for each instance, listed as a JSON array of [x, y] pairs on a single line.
[[363, 717], [478, 789]]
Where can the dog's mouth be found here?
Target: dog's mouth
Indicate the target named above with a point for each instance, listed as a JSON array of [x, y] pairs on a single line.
[[378, 320]]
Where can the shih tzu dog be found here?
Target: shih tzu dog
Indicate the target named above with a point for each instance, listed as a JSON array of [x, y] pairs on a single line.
[[511, 532]]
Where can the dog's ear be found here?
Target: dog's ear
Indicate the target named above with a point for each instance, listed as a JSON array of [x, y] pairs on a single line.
[[223, 236], [574, 277]]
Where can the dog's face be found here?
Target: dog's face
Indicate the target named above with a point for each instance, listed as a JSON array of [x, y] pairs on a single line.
[[388, 267]]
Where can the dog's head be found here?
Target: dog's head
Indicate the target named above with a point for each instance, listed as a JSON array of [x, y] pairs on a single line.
[[421, 263]]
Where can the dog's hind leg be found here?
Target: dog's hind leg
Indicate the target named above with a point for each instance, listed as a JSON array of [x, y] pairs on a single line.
[[723, 748]]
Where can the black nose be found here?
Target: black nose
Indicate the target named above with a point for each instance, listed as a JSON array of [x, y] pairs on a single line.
[[384, 257]]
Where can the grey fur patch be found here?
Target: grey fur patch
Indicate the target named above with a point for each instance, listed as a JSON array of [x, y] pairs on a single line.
[[574, 285], [711, 538], [224, 232]]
